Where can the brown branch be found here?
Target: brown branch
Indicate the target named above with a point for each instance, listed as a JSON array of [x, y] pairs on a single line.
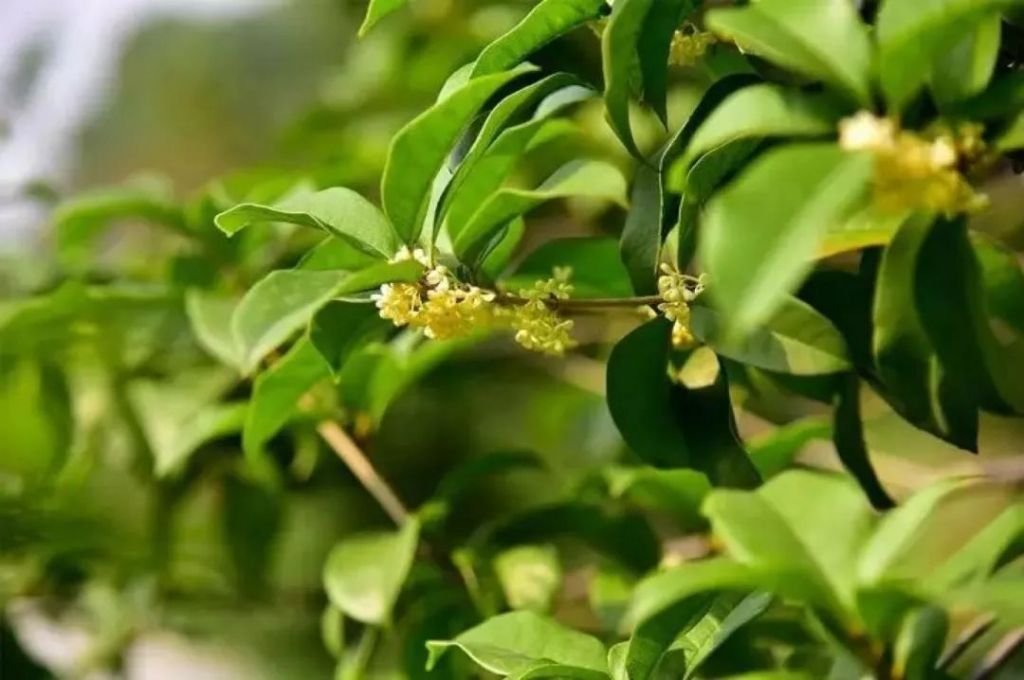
[[574, 304], [360, 465]]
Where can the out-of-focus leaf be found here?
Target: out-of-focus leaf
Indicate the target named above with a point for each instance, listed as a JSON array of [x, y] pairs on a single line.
[[795, 339], [38, 420], [530, 576], [419, 150], [545, 22], [252, 518], [621, 61], [667, 424], [1002, 98], [332, 630], [338, 211], [277, 391], [920, 642], [210, 316], [912, 34], [727, 614], [775, 451], [364, 574], [758, 112], [339, 328], [865, 228], [284, 301], [514, 644], [848, 437], [334, 254], [823, 40], [976, 560], [761, 233], [377, 10], [1000, 320], [967, 68], [676, 492], [592, 179], [597, 270]]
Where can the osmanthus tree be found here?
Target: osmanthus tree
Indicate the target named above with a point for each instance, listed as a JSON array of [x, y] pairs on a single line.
[[805, 231]]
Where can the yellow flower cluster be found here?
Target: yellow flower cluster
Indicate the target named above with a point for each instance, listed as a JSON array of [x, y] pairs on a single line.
[[537, 326], [689, 45], [439, 304], [916, 172], [677, 291]]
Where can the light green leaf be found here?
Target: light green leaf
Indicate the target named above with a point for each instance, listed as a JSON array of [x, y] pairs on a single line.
[[758, 112], [210, 316], [727, 614], [824, 40], [795, 339], [419, 150], [545, 22], [338, 211], [377, 10], [678, 493], [620, 61], [276, 393], [592, 179], [530, 576], [913, 34], [762, 232], [978, 558], [364, 574], [966, 69], [511, 644], [775, 451]]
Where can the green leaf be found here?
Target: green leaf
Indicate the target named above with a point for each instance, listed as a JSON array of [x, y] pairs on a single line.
[[640, 245], [848, 437], [929, 384], [545, 22], [276, 393], [920, 643], [667, 424], [653, 46], [758, 112], [795, 340], [597, 270], [284, 301], [514, 643], [775, 451], [966, 69], [620, 60], [479, 176], [678, 493], [914, 34], [762, 232], [727, 614], [335, 254], [364, 574], [530, 576], [339, 328], [419, 150], [824, 40], [210, 316], [999, 318], [592, 179], [338, 211], [980, 556], [332, 631], [377, 10]]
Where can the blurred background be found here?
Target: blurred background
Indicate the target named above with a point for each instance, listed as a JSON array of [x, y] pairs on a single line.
[[109, 574]]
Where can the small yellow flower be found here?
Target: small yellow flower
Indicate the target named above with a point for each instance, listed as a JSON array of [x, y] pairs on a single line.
[[689, 45], [540, 329], [400, 303], [678, 290]]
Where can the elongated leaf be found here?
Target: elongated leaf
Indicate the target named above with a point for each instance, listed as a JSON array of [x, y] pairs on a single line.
[[727, 614], [620, 60], [276, 393], [980, 556], [545, 22], [823, 40], [377, 10], [848, 437], [667, 424], [210, 316], [364, 574], [913, 34], [967, 68], [757, 112], [338, 211], [1000, 321], [594, 261], [339, 328], [419, 150], [511, 644], [762, 232], [284, 302], [335, 254], [653, 46], [795, 339], [920, 643], [594, 179], [641, 235]]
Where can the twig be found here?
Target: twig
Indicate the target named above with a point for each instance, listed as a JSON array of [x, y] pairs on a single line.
[[572, 304], [1002, 653], [968, 637], [360, 465]]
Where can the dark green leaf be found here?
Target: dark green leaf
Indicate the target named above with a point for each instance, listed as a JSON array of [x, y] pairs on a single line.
[[640, 245], [619, 57], [341, 327], [848, 437], [779, 209], [824, 40], [727, 614], [920, 642], [678, 493], [545, 22], [364, 574], [653, 46], [338, 211], [419, 150], [666, 423], [967, 68]]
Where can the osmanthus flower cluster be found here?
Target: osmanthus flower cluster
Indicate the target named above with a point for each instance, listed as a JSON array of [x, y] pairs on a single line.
[[917, 171], [444, 307], [689, 44]]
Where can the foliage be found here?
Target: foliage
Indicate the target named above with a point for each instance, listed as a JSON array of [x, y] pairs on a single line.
[[809, 230]]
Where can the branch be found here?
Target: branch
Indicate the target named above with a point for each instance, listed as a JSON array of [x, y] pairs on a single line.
[[968, 637], [360, 465], [1000, 656], [574, 304]]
